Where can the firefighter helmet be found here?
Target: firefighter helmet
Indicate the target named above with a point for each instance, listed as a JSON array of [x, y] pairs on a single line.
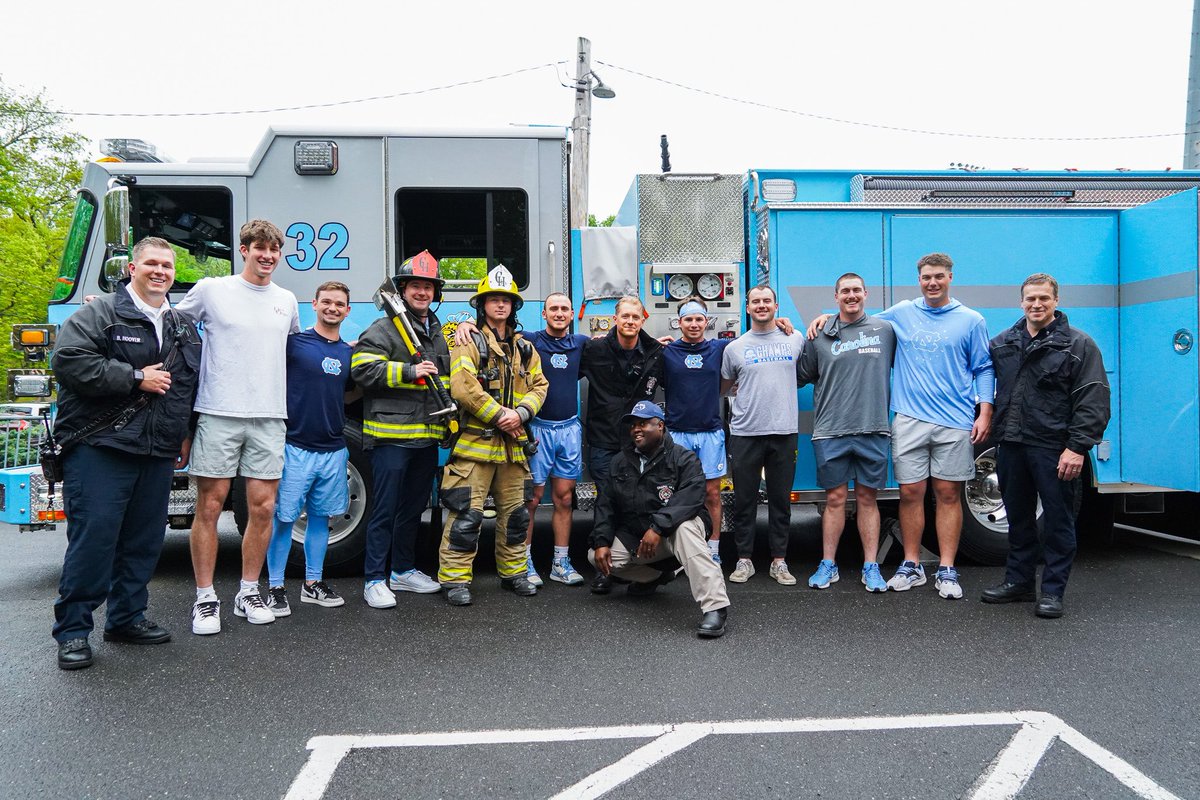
[[498, 281], [422, 266]]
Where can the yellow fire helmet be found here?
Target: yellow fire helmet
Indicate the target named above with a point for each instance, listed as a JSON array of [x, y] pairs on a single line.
[[498, 281]]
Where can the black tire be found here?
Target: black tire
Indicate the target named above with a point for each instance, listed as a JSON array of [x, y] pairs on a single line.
[[347, 534], [237, 500]]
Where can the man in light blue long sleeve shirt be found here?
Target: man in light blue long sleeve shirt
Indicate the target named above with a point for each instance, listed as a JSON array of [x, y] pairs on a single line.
[[942, 370]]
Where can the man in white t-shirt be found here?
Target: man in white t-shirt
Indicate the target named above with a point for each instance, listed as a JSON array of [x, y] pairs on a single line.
[[242, 407]]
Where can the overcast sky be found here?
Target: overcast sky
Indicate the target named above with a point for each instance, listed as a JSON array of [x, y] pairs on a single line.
[[1016, 68]]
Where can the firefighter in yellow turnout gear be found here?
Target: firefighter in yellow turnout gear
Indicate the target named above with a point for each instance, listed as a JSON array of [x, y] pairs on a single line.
[[496, 379]]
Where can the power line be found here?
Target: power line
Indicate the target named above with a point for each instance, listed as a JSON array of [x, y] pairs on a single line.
[[881, 126], [608, 65], [307, 107]]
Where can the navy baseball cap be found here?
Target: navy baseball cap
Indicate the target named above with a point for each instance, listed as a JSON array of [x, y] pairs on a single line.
[[643, 409]]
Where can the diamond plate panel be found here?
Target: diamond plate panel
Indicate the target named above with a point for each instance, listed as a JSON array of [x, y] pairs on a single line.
[[690, 219]]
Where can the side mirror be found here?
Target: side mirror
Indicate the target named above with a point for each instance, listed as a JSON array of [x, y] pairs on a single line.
[[116, 269], [116, 218]]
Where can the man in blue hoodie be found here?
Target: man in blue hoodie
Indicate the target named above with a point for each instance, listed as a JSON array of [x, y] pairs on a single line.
[[943, 369]]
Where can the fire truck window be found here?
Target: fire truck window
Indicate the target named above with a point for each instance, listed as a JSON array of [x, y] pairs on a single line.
[[196, 221], [469, 231]]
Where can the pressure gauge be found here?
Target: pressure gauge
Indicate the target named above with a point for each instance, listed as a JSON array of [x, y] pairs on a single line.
[[680, 287], [709, 286]]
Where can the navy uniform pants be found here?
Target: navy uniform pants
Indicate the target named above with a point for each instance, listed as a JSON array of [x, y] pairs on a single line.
[[1027, 473], [116, 506], [402, 483]]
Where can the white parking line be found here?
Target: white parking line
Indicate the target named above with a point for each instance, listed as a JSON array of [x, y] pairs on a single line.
[[1003, 779]]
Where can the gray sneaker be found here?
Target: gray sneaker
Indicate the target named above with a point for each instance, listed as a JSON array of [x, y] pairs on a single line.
[[413, 581], [742, 572], [781, 573], [277, 601]]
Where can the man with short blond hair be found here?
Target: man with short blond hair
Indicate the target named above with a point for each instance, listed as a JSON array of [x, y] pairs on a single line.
[[242, 405], [1052, 406]]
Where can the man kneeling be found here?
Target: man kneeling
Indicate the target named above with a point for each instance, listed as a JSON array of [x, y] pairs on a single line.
[[650, 509]]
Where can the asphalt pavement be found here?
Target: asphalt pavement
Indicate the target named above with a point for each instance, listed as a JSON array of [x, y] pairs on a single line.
[[834, 693]]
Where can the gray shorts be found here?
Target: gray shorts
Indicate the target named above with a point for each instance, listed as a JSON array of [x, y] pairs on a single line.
[[227, 446], [923, 450]]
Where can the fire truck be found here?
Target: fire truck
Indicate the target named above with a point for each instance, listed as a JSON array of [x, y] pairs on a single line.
[[354, 203]]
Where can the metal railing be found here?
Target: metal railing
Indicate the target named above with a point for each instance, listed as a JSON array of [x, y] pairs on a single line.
[[20, 437]]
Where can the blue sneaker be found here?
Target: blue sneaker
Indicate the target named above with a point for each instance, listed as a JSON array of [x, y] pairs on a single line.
[[908, 575], [827, 573], [946, 582], [872, 579], [531, 573], [716, 557], [562, 571]]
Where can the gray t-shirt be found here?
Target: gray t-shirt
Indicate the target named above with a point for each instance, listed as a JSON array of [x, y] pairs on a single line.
[[851, 365], [764, 367]]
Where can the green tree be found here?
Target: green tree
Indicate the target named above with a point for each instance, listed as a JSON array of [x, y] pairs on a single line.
[[607, 222], [41, 163]]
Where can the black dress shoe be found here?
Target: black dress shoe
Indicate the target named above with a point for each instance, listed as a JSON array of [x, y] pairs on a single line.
[[519, 585], [712, 625], [141, 632], [74, 654], [458, 595], [1009, 593], [1050, 606], [601, 584]]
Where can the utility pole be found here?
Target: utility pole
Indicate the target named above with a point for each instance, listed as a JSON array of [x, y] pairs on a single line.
[[581, 131], [1191, 138]]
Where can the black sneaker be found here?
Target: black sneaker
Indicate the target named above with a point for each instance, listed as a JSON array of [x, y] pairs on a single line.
[[321, 594], [277, 601]]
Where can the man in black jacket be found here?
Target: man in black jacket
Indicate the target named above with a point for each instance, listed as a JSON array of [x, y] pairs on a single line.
[[1052, 406], [622, 368], [651, 508], [128, 367]]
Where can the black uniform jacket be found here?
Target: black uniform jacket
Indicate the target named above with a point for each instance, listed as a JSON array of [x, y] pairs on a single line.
[[669, 492], [615, 382], [96, 352], [1051, 390]]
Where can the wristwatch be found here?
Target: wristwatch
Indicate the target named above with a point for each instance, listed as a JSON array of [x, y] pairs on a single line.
[[138, 376]]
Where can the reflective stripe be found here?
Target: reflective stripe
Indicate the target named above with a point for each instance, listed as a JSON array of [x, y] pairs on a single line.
[[391, 430]]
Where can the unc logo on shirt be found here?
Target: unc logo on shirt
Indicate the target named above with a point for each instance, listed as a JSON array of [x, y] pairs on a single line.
[[558, 361], [665, 492], [694, 361], [332, 366]]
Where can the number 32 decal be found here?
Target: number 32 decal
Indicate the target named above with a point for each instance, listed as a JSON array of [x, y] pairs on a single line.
[[306, 256]]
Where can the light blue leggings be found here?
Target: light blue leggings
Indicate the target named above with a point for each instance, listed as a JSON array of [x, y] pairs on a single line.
[[316, 542]]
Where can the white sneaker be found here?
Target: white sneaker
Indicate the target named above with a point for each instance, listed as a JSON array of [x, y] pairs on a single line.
[[781, 573], [249, 604], [946, 582], [206, 617], [742, 572], [908, 575], [413, 581], [377, 595]]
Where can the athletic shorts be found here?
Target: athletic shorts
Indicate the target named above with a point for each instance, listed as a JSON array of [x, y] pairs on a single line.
[[312, 479], [861, 458], [709, 447], [228, 446], [560, 450], [923, 450]]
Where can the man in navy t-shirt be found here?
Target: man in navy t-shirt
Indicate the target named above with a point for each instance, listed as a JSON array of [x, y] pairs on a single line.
[[692, 380], [315, 454], [559, 457]]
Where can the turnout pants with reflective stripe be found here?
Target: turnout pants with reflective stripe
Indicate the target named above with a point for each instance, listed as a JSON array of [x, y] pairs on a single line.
[[465, 486], [689, 547]]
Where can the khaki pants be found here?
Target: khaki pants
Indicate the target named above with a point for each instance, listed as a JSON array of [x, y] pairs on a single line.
[[690, 549], [465, 486]]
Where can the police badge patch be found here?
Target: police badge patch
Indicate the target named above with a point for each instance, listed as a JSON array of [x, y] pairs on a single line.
[[665, 492]]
